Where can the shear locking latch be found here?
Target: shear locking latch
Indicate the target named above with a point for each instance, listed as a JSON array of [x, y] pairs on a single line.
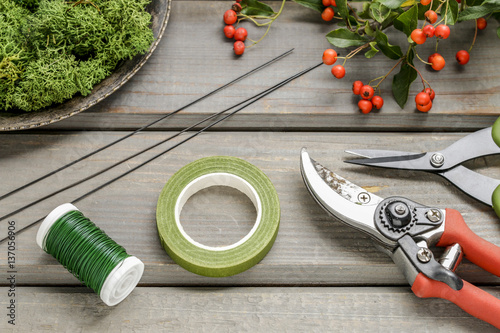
[[426, 264]]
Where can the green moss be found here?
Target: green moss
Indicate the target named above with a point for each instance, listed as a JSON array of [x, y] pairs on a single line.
[[61, 49]]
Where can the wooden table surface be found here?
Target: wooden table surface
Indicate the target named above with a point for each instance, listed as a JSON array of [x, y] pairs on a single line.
[[320, 275]]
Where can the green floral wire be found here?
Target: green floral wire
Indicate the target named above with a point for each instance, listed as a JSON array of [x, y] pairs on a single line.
[[83, 249]]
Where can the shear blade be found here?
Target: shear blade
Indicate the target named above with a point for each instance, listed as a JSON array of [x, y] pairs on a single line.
[[373, 153], [348, 202], [402, 161], [474, 145]]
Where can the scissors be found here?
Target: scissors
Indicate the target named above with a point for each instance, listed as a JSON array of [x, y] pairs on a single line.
[[405, 230], [447, 162]]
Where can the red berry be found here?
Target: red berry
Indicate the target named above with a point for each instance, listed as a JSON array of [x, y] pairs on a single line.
[[418, 36], [241, 34], [425, 2], [230, 16], [431, 57], [430, 92], [327, 3], [437, 62], [334, 3], [422, 98], [236, 7], [378, 102], [239, 47], [424, 108], [356, 87], [442, 31], [365, 106], [481, 23], [238, 0], [229, 31], [462, 57], [366, 92], [327, 14], [338, 71], [428, 31], [329, 57], [431, 16]]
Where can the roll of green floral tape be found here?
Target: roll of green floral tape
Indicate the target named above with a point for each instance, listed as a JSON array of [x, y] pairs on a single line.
[[226, 260]]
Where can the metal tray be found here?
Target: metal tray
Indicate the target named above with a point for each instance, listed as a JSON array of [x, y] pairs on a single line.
[[160, 11]]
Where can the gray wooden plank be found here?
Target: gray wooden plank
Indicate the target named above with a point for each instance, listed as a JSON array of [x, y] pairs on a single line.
[[311, 249], [194, 58], [379, 309]]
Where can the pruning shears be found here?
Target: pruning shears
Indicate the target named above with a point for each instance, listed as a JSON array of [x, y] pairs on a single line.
[[405, 230], [447, 162]]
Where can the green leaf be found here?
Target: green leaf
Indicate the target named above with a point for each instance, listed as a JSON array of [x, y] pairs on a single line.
[[392, 4], [379, 12], [452, 12], [391, 51], [408, 21], [345, 38], [342, 8], [365, 13], [476, 12], [253, 7], [498, 32], [373, 50], [368, 30], [402, 81], [316, 5]]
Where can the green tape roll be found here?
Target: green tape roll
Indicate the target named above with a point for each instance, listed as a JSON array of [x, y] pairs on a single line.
[[218, 171]]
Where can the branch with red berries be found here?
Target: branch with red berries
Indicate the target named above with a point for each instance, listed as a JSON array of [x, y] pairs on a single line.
[[362, 30], [260, 14], [420, 21]]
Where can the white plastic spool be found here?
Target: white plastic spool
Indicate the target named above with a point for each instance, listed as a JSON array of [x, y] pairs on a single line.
[[122, 279]]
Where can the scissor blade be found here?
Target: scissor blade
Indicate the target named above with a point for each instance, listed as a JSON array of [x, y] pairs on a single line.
[[373, 153], [348, 202], [474, 184], [474, 145], [407, 161]]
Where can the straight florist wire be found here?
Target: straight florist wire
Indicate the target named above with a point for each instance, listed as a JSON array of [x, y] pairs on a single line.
[[89, 254]]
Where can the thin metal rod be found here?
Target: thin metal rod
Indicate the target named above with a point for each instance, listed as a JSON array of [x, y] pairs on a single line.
[[250, 102], [78, 182], [145, 126]]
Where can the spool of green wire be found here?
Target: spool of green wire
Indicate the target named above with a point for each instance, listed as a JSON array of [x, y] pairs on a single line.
[[89, 254]]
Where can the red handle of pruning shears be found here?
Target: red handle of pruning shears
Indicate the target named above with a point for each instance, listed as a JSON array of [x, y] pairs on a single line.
[[479, 251], [470, 298]]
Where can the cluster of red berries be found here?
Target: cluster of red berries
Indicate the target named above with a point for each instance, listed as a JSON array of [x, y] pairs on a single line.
[[328, 13], [367, 101], [441, 31], [329, 58], [424, 99], [240, 34]]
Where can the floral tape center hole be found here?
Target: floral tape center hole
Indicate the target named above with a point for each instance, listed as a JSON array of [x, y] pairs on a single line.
[[218, 216]]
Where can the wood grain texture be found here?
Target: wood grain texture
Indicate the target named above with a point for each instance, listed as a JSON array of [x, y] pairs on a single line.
[[379, 309], [194, 58], [320, 275], [311, 249]]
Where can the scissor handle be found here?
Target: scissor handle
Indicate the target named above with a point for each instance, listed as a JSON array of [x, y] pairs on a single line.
[[470, 298], [479, 251], [495, 131], [495, 199]]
